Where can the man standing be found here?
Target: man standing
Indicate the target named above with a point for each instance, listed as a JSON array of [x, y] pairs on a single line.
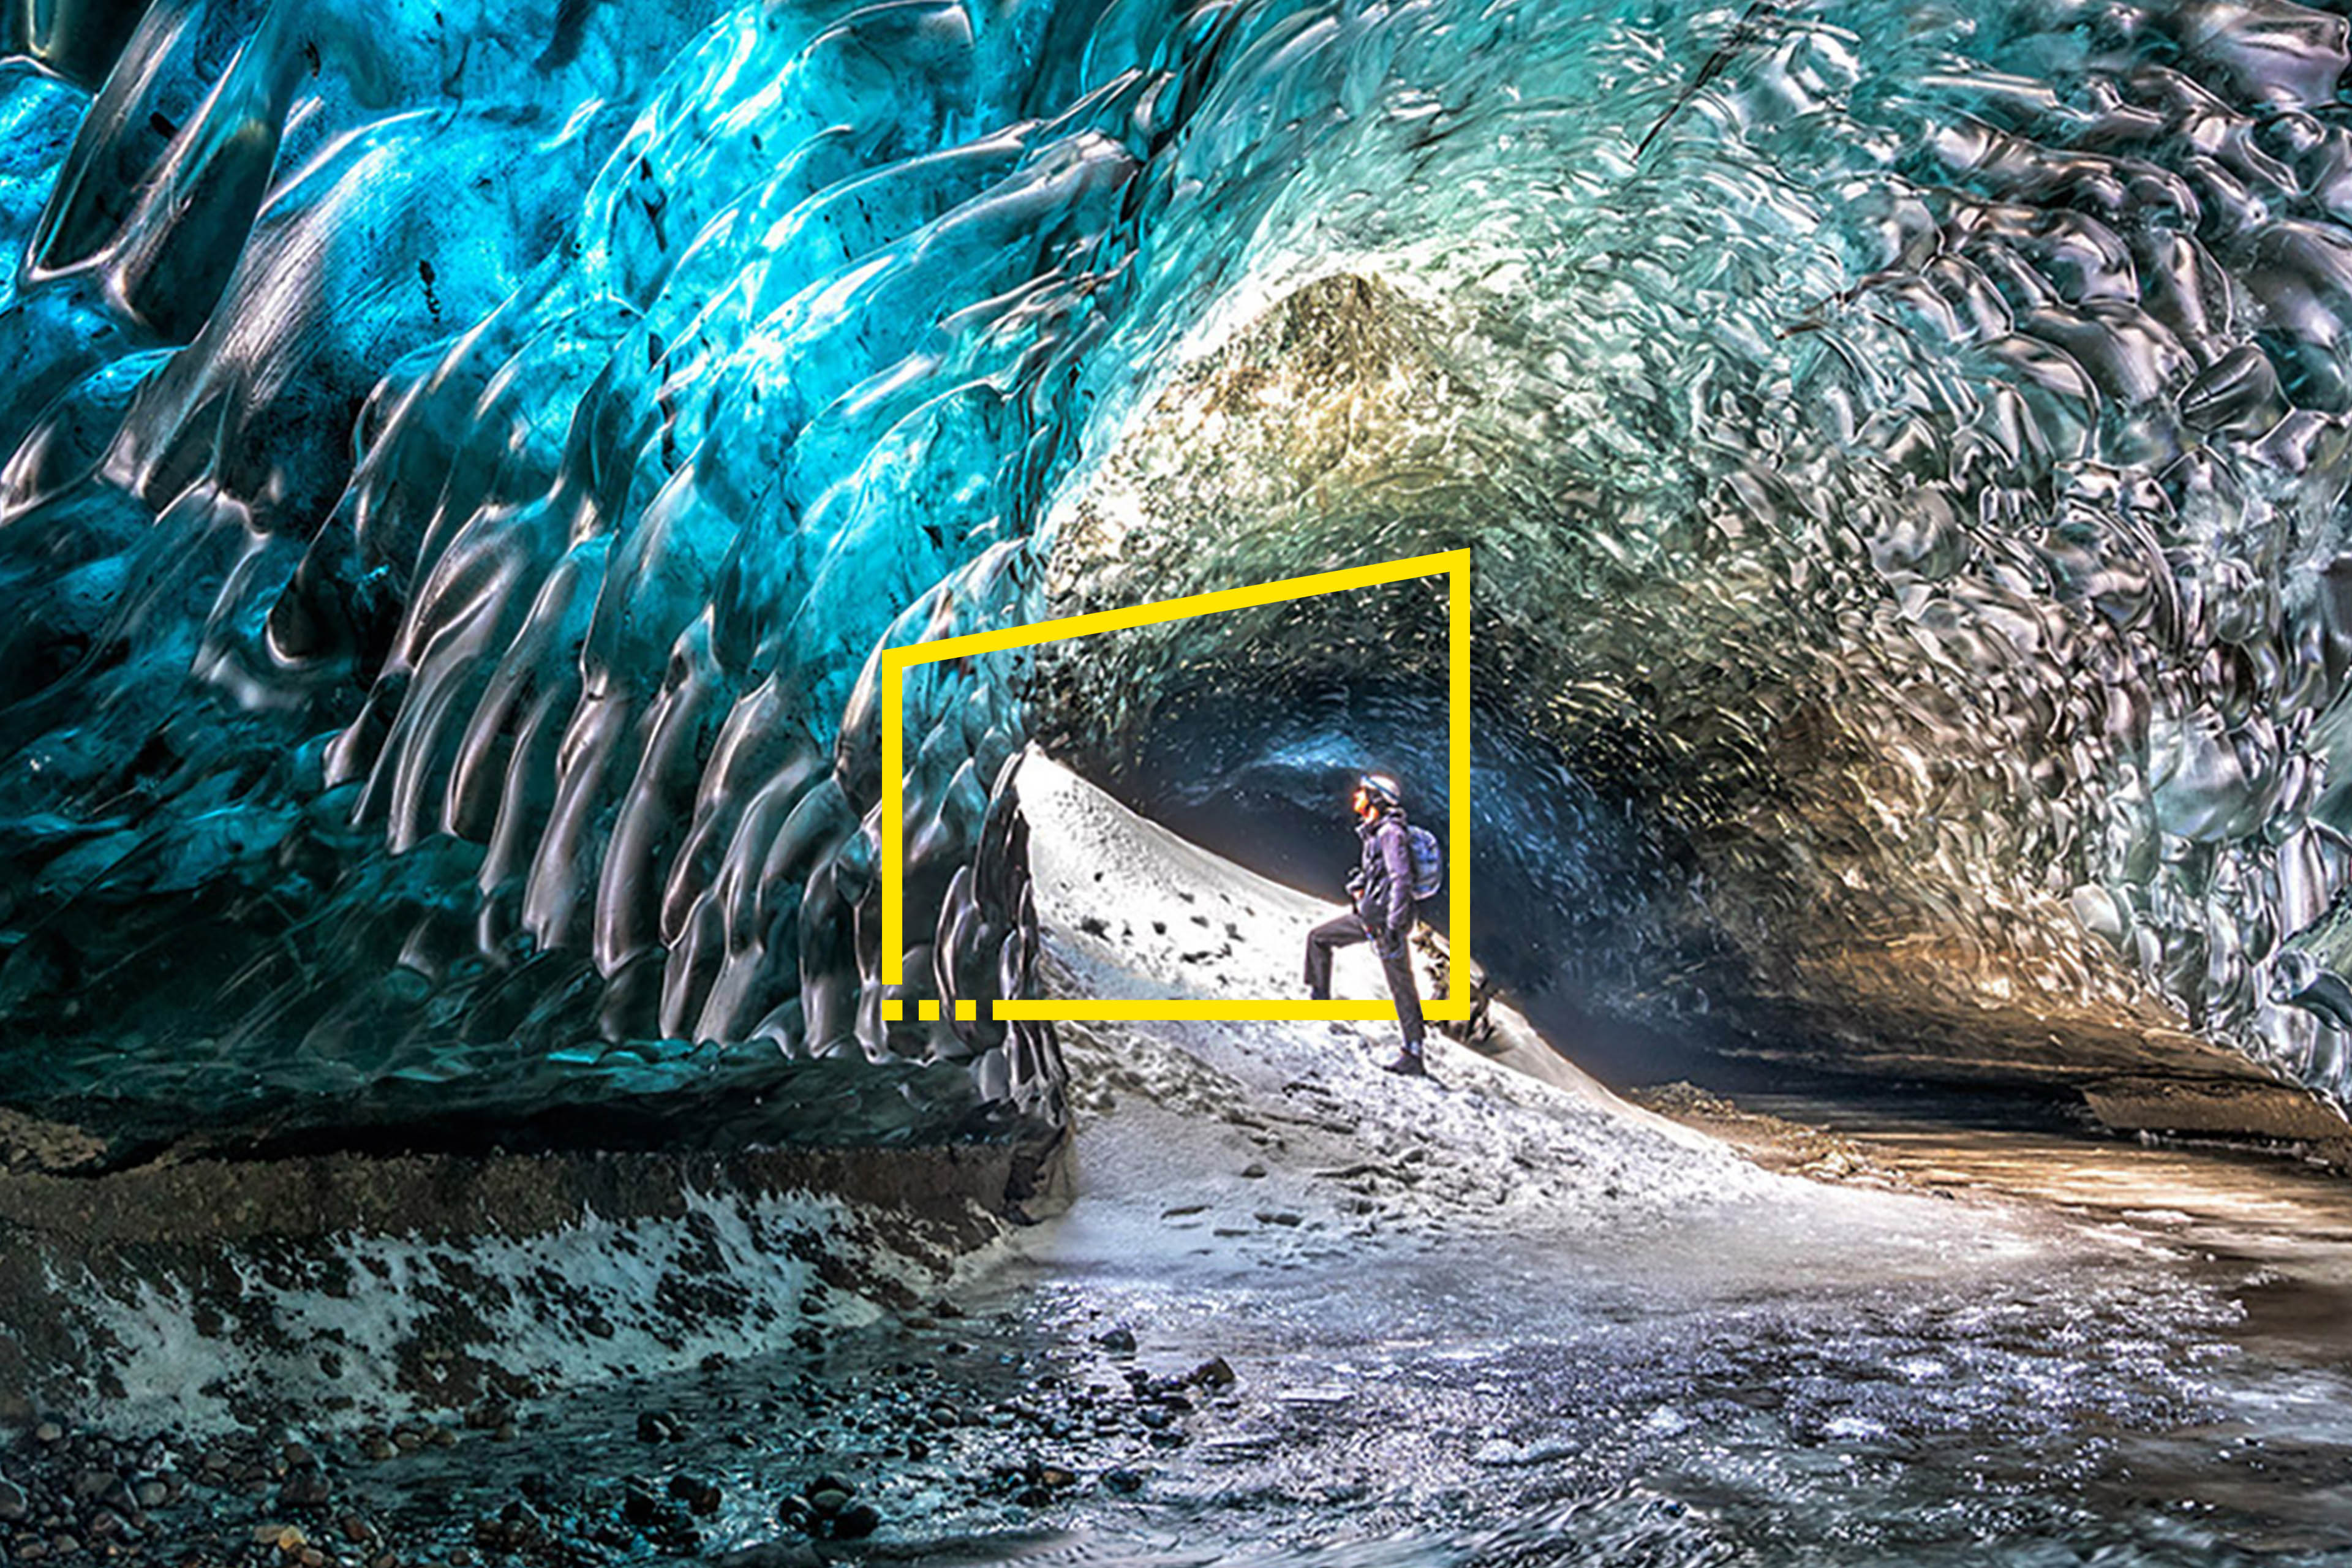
[[1381, 890]]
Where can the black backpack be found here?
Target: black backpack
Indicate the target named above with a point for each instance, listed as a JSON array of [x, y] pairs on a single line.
[[1428, 861]]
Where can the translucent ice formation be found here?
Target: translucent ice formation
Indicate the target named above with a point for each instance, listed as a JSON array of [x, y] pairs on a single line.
[[464, 459], [1906, 473]]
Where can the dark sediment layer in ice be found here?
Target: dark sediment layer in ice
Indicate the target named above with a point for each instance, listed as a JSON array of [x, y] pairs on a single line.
[[344, 1289]]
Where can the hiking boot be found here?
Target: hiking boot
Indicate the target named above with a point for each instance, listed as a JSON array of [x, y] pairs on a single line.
[[1408, 1064]]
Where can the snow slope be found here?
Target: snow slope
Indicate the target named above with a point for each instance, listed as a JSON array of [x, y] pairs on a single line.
[[1264, 1143], [1510, 1273]]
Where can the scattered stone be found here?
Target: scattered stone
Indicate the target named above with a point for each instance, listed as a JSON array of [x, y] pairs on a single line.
[[1118, 1342], [49, 1432], [698, 1495], [1123, 1481], [379, 1447], [13, 1505], [489, 1414], [856, 1522], [1214, 1373], [655, 1427], [1253, 1169], [305, 1488], [518, 1527], [151, 1493]]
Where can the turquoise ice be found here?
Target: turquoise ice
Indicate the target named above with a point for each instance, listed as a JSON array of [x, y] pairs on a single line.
[[463, 459]]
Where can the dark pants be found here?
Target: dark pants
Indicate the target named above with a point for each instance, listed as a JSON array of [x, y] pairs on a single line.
[[1396, 959]]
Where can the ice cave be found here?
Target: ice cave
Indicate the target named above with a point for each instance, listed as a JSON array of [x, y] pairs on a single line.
[[461, 465]]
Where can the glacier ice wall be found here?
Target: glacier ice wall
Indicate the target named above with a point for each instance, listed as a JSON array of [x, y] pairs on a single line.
[[458, 461], [1906, 462], [462, 462]]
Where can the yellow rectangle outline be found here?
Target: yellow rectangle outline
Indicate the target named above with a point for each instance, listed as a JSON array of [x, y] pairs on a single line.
[[1452, 564]]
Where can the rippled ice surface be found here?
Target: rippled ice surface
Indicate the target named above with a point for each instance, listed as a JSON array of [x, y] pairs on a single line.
[[459, 462]]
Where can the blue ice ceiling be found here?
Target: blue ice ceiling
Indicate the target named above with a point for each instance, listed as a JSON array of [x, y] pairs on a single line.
[[463, 459]]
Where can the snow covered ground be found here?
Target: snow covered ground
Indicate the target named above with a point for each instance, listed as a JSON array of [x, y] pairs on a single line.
[[1474, 1320], [1271, 1144]]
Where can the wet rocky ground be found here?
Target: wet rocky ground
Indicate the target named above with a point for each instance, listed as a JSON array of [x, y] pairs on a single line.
[[926, 1425], [2103, 1395]]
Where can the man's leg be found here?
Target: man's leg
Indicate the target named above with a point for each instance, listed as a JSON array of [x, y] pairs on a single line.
[[1341, 931], [1396, 960]]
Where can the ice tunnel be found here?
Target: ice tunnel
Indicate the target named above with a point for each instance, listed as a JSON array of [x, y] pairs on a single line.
[[462, 460]]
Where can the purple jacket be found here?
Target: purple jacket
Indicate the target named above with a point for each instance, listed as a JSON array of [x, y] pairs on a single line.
[[1382, 885]]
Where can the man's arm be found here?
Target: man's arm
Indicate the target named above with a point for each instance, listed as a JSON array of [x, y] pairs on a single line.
[[1396, 855]]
